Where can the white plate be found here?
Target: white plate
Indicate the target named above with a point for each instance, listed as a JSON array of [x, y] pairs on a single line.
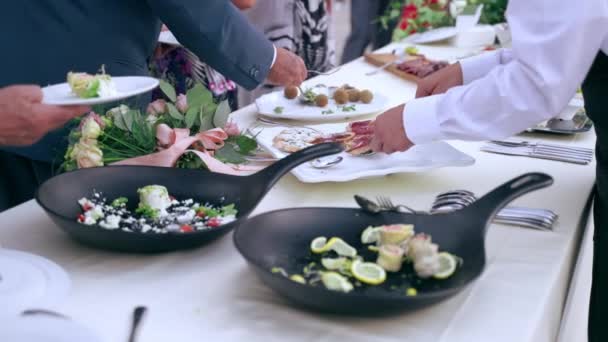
[[44, 328], [418, 159], [127, 86], [433, 36], [295, 110], [167, 37], [29, 281]]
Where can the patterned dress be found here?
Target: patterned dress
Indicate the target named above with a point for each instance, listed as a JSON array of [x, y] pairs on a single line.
[[300, 26]]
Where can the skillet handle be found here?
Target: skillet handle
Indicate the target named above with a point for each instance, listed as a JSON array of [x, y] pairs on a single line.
[[271, 174], [489, 205]]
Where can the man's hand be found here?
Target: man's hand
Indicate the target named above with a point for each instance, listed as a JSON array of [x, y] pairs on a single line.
[[440, 81], [25, 120], [389, 132], [288, 69]]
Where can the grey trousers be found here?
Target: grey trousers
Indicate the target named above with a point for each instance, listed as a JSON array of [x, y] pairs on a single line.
[[365, 30]]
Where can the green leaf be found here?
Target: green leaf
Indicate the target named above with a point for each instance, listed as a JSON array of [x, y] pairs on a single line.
[[198, 96], [174, 113], [191, 117], [228, 154], [129, 117], [206, 119], [168, 90], [222, 112], [245, 144]]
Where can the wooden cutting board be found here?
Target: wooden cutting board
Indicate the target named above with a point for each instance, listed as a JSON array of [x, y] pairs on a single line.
[[380, 59]]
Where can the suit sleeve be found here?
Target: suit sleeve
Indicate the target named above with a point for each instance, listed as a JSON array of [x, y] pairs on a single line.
[[219, 35]]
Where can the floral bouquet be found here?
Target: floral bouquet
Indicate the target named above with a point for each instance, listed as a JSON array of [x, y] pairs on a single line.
[[413, 16], [186, 130]]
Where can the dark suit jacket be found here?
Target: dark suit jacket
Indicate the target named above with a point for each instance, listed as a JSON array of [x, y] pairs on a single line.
[[42, 40]]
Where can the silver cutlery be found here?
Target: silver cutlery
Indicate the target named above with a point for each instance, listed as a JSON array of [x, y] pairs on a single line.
[[271, 122], [138, 316], [323, 73], [383, 66], [564, 156], [384, 205], [387, 204], [553, 147], [541, 219]]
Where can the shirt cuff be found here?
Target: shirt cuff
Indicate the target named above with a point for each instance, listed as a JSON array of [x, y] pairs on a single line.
[[476, 67], [420, 120], [274, 56]]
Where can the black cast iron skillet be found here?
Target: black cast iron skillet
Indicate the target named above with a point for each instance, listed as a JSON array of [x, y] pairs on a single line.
[[282, 239], [59, 195]]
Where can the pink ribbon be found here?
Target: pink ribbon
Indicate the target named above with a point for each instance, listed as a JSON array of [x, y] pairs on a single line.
[[174, 142]]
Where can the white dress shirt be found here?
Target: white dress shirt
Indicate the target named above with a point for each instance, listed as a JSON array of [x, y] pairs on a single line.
[[505, 92]]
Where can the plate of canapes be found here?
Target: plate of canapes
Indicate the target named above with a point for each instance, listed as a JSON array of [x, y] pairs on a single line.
[[321, 103]]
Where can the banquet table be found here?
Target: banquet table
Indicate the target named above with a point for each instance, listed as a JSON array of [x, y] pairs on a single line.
[[210, 294]]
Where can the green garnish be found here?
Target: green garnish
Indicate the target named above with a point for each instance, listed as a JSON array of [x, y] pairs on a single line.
[[412, 50], [350, 108], [147, 211], [309, 95], [278, 110], [279, 270], [229, 210], [209, 212], [329, 111], [119, 202]]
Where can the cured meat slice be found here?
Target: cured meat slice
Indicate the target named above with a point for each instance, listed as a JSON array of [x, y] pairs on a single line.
[[421, 67]]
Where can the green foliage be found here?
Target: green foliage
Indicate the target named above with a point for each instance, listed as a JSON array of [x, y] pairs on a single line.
[[493, 10]]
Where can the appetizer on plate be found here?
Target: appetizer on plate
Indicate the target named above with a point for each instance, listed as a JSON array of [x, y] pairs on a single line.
[[402, 258], [157, 212], [421, 67], [88, 86], [320, 95], [356, 138]]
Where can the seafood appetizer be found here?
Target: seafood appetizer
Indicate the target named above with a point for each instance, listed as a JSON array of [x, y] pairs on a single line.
[[356, 138], [401, 254]]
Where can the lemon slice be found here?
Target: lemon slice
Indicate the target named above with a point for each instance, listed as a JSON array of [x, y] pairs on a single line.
[[334, 264], [336, 282], [447, 266], [374, 249], [370, 235], [368, 272], [298, 279], [319, 245], [342, 248], [336, 244]]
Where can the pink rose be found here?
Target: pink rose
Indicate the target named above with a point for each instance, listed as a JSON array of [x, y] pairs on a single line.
[[231, 128], [91, 126], [182, 103], [157, 107]]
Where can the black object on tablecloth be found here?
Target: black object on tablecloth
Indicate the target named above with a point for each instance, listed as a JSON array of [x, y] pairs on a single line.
[[19, 178], [595, 92]]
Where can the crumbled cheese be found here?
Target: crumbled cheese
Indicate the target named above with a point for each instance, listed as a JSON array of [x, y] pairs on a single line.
[[111, 222]]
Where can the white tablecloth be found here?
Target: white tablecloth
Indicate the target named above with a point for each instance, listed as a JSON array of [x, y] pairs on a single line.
[[209, 294]]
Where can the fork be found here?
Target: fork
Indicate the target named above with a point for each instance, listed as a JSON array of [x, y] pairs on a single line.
[[271, 122], [386, 203], [323, 73]]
